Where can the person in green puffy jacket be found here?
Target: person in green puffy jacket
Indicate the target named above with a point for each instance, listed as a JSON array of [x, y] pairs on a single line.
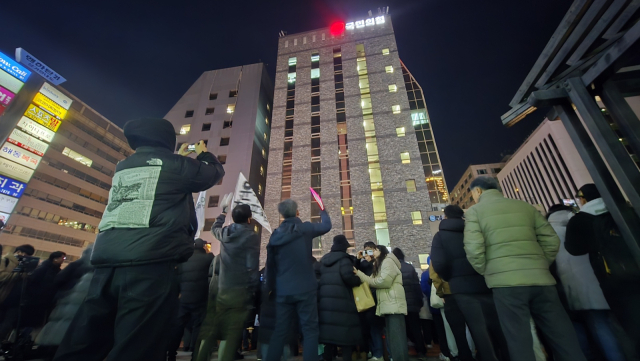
[[512, 245], [392, 303]]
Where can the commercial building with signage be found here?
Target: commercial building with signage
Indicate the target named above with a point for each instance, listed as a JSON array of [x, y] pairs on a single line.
[[55, 174], [460, 195], [342, 125], [230, 109], [546, 169]]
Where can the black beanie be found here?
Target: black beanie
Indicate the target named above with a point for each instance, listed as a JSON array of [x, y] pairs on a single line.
[[26, 248], [588, 192], [340, 244], [198, 243], [151, 132]]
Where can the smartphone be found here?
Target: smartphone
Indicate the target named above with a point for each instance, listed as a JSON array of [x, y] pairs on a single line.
[[191, 147], [370, 252]]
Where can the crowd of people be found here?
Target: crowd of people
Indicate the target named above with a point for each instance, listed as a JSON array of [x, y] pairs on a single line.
[[503, 282]]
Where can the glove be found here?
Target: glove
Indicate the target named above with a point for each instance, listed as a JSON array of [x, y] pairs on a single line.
[[226, 202]]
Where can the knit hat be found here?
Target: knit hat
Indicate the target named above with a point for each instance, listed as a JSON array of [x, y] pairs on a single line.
[[340, 244], [198, 243], [588, 192], [26, 248], [453, 211], [153, 132]]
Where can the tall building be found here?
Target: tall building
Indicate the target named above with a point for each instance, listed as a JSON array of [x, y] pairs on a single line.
[[230, 109], [460, 195], [546, 169], [341, 125], [67, 192], [431, 165]]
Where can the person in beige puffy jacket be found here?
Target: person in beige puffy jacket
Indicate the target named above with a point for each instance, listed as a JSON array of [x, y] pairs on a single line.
[[392, 303]]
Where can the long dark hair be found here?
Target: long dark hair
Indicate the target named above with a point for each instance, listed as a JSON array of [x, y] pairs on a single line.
[[377, 265]]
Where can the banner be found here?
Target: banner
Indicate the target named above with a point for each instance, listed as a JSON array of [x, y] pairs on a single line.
[[6, 96], [39, 67], [49, 105], [244, 194], [56, 95], [12, 67], [15, 171], [42, 117], [7, 204], [200, 204], [36, 129], [11, 187], [19, 155], [12, 84], [25, 141]]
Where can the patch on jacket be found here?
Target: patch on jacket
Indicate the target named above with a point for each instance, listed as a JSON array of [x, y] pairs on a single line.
[[154, 161], [131, 198]]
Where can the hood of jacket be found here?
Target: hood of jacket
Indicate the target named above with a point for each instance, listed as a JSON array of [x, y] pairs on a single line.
[[286, 233], [560, 218], [595, 208], [153, 132], [236, 231], [332, 258], [395, 260], [452, 225]]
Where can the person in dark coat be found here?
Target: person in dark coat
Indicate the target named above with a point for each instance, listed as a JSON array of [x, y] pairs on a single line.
[[147, 229], [413, 294], [469, 289], [268, 321], [194, 287], [292, 276], [337, 312], [41, 290]]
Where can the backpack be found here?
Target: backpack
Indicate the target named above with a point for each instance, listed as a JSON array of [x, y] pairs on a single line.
[[611, 257]]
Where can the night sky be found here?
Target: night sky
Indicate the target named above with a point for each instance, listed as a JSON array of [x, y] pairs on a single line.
[[130, 59]]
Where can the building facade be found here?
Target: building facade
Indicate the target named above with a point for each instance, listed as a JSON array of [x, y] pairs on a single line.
[[546, 169], [460, 195], [341, 125], [65, 197], [230, 109]]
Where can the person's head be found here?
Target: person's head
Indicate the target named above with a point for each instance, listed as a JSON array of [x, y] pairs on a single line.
[[199, 243], [453, 211], [340, 244], [288, 208], [558, 208], [57, 257], [587, 193], [241, 214], [150, 132], [398, 253], [482, 184], [370, 246], [380, 254], [25, 250]]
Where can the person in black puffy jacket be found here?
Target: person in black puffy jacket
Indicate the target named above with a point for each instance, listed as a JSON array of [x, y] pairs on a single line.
[[194, 289], [147, 228], [338, 316], [469, 289], [413, 294]]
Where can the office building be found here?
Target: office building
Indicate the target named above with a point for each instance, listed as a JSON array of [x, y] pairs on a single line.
[[460, 195], [342, 125], [230, 109], [546, 169], [68, 188]]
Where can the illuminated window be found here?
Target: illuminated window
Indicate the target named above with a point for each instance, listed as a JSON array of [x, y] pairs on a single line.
[[393, 88], [400, 132], [385, 51], [255, 228], [231, 108], [388, 69], [222, 159], [382, 234], [227, 124], [405, 157], [77, 157], [291, 77], [268, 108], [233, 93], [213, 96], [411, 185], [315, 57], [293, 61], [260, 189], [261, 170], [188, 114], [265, 137], [395, 109], [416, 217], [264, 153], [315, 73], [213, 201], [419, 118], [206, 127], [364, 84], [209, 111], [424, 261], [266, 120], [224, 141], [185, 129]]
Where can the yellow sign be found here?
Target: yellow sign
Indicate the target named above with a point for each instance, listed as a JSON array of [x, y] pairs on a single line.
[[42, 117], [50, 105]]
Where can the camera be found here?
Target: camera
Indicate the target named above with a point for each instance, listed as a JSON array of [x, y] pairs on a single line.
[[369, 252], [26, 264], [191, 147]]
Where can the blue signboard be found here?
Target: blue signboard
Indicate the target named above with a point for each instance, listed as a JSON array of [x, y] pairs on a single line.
[[11, 187], [12, 67]]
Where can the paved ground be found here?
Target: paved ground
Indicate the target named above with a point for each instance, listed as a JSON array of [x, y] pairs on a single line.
[[251, 355]]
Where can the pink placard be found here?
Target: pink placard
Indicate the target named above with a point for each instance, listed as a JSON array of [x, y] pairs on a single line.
[[317, 198], [6, 96]]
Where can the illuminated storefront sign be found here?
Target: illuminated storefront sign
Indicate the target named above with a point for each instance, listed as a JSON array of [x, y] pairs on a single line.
[[39, 67], [49, 105], [7, 204], [42, 117], [12, 67], [28, 142], [5, 96], [11, 187], [15, 171], [367, 22], [56, 95], [4, 217], [9, 82], [19, 155], [36, 129]]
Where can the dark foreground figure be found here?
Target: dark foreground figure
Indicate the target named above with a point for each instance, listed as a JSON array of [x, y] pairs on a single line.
[[146, 230]]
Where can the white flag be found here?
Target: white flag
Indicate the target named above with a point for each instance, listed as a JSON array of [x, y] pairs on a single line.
[[200, 211], [244, 194]]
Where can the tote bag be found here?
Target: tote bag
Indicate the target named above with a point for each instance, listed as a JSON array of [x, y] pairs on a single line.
[[436, 301], [363, 297]]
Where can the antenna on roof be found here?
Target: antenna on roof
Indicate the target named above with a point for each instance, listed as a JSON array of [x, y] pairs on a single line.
[[387, 10], [379, 11], [370, 13], [282, 33]]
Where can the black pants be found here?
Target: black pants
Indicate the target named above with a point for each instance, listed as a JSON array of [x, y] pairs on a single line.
[[414, 332], [516, 305], [125, 316], [330, 352], [626, 308], [441, 332], [427, 330], [187, 314], [455, 318], [305, 305], [482, 319]]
